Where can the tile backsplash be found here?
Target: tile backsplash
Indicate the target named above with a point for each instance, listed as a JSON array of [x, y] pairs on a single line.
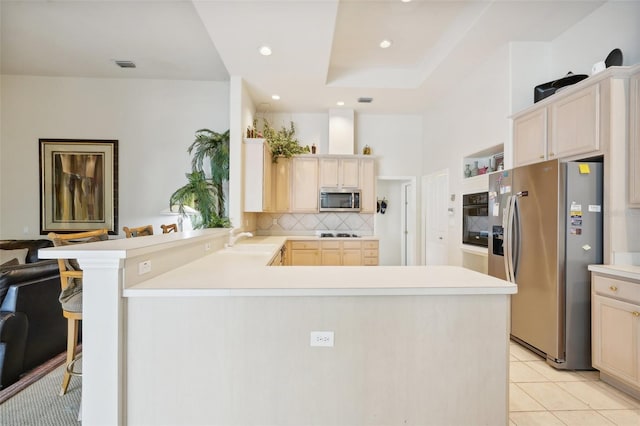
[[297, 222]]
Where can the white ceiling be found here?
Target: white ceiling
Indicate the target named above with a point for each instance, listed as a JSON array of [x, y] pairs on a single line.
[[323, 50]]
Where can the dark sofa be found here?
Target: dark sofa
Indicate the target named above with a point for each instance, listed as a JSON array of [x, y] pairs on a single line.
[[32, 328]]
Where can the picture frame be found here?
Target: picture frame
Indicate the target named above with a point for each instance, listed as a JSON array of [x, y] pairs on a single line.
[[78, 185]]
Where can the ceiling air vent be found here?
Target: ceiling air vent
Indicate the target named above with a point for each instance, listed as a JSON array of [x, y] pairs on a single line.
[[125, 64], [365, 100]]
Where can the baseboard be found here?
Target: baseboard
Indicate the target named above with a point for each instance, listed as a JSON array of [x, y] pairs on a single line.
[[32, 376]]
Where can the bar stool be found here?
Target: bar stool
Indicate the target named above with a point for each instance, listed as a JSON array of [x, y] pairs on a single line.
[[172, 227], [71, 294], [140, 231]]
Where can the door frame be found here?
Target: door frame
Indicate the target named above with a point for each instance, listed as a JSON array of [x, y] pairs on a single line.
[[408, 241]]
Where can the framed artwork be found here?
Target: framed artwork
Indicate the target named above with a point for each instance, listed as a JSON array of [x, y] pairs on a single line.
[[78, 185]]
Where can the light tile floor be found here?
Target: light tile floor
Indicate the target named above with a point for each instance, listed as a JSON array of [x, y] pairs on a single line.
[[541, 395]]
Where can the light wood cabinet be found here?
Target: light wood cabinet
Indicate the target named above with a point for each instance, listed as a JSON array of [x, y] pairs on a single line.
[[304, 184], [564, 128], [367, 185], [370, 253], [530, 138], [304, 253], [574, 124], [616, 329], [333, 252], [351, 253], [634, 141], [282, 185], [339, 173]]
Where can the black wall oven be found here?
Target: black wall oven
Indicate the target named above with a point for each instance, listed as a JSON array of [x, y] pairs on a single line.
[[475, 219]]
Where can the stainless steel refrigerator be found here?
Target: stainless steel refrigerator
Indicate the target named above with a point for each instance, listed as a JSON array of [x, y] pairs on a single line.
[[545, 223]]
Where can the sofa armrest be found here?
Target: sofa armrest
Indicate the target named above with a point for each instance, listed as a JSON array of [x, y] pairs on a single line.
[[13, 340], [25, 273]]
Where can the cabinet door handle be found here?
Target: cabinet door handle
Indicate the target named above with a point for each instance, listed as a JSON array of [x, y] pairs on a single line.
[[635, 313], [542, 156], [551, 154], [613, 288]]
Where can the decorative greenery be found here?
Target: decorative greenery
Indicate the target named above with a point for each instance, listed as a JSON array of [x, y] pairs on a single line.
[[282, 142], [206, 194]]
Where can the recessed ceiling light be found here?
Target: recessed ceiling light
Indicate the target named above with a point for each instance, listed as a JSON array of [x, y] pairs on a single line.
[[385, 44], [340, 103], [275, 97], [406, 1], [265, 50]]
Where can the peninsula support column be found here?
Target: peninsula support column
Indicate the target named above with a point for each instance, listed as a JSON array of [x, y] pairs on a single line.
[[103, 342]]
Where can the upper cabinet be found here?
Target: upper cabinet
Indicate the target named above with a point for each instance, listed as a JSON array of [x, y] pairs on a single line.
[[530, 138], [561, 127], [367, 185], [634, 141], [574, 123], [304, 184], [339, 173], [258, 195], [293, 184]]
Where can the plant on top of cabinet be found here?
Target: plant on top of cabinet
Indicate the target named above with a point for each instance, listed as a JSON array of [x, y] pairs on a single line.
[[283, 142]]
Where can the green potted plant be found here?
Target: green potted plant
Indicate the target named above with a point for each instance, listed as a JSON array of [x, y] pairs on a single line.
[[282, 142], [206, 193]]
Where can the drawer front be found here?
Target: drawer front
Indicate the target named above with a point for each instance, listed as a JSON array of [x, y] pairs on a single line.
[[371, 253], [351, 245], [370, 261], [611, 287], [331, 245], [370, 245], [305, 245]]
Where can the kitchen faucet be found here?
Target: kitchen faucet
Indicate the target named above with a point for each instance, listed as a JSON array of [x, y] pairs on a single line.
[[234, 238]]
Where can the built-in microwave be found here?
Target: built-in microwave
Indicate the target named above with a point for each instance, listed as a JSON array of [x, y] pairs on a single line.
[[339, 200], [475, 219]]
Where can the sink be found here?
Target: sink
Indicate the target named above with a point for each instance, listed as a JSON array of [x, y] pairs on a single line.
[[252, 248]]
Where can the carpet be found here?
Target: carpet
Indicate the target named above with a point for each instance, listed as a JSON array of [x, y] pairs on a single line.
[[39, 404]]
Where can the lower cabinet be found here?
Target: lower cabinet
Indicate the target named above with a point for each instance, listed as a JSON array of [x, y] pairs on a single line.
[[616, 329], [333, 253], [304, 253]]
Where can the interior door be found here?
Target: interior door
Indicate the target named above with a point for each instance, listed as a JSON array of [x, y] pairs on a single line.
[[435, 190]]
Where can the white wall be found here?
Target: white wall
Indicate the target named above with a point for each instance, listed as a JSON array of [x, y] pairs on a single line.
[[153, 120], [388, 225], [473, 117], [395, 141], [475, 114], [616, 24]]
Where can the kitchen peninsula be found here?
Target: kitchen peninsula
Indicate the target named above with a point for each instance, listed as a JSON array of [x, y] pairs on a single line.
[[211, 335]]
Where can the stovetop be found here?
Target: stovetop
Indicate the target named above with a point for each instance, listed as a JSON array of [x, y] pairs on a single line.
[[338, 235]]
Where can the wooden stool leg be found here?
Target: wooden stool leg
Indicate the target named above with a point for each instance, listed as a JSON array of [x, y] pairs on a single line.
[[72, 341]]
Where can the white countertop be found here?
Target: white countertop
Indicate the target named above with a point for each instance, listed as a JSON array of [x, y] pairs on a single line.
[[230, 273], [631, 272], [241, 271]]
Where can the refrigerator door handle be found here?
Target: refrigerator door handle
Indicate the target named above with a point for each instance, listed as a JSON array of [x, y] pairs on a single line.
[[515, 257], [509, 230]]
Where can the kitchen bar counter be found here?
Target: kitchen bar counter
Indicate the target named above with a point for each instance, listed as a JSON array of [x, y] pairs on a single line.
[[213, 336]]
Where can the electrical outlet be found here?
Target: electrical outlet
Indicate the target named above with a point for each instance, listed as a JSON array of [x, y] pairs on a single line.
[[144, 267], [321, 338], [275, 221]]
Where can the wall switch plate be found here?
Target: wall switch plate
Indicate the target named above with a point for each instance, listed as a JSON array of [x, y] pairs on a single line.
[[321, 338], [144, 267]]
